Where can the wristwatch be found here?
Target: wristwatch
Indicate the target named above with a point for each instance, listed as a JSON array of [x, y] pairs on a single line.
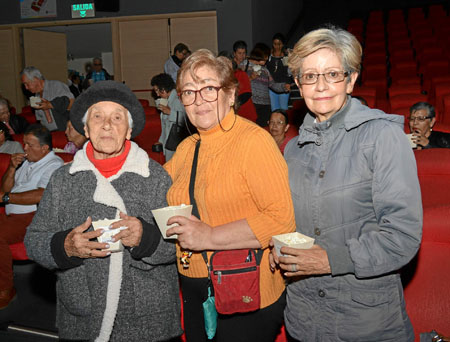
[[5, 198]]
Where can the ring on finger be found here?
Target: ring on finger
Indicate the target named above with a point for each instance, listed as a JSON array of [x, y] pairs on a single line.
[[294, 267]]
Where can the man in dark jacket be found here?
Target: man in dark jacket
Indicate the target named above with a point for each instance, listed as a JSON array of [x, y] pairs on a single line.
[[422, 118]]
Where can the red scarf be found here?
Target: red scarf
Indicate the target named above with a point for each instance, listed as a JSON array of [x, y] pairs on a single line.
[[110, 166]]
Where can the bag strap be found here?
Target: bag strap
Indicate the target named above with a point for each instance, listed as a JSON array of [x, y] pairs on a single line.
[[258, 253]]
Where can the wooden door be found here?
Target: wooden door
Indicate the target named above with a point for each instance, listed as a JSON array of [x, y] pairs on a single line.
[[46, 51], [195, 32], [143, 46], [9, 69]]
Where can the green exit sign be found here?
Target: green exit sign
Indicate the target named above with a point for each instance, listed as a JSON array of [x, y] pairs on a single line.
[[83, 10]]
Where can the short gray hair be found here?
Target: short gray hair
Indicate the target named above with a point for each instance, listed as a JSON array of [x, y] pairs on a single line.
[[4, 102], [130, 119], [423, 105], [342, 42], [32, 72]]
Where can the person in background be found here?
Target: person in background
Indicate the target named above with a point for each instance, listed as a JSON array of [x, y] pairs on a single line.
[[75, 140], [164, 86], [422, 118], [56, 99], [173, 64], [7, 144], [241, 192], [125, 294], [21, 190], [277, 66], [240, 54], [75, 86], [278, 126], [16, 124], [261, 81], [98, 73], [355, 189]]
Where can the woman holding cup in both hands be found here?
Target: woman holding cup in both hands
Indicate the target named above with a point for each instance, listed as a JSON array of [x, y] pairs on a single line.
[[242, 194], [355, 190], [128, 294]]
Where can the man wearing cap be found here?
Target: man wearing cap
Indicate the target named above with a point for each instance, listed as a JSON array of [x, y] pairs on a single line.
[[22, 186], [124, 288]]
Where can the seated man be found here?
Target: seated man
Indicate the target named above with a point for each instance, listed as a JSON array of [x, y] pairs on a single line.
[[75, 139], [21, 190], [180, 52], [98, 73], [56, 99], [421, 122], [278, 126]]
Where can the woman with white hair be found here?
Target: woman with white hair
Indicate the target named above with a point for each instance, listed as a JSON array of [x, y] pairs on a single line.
[[124, 289], [354, 185]]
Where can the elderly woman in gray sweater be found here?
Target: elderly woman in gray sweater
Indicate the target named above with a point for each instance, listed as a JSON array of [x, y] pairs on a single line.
[[107, 292]]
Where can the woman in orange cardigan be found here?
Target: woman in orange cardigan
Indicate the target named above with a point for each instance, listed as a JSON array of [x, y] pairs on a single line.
[[242, 194]]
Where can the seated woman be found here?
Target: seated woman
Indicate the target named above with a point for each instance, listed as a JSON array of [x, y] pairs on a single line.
[[171, 112], [130, 293], [278, 126], [16, 124], [7, 145], [75, 139], [422, 118]]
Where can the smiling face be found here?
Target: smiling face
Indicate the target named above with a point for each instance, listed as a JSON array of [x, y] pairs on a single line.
[[4, 113], [322, 98], [206, 115], [277, 45], [277, 125], [34, 85], [107, 128]]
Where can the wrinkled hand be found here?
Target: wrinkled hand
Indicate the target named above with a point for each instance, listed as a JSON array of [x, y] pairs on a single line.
[[44, 104], [420, 140], [130, 237], [78, 244], [193, 234], [164, 109], [306, 261], [17, 159]]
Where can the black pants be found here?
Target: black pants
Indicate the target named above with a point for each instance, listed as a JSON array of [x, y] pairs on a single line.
[[263, 113], [263, 325]]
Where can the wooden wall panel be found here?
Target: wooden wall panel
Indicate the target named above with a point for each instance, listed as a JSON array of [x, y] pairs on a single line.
[[195, 32], [9, 76], [47, 51]]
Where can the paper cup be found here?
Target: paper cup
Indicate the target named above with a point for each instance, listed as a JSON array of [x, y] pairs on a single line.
[[411, 142], [108, 234], [256, 68], [294, 240], [162, 215], [34, 100]]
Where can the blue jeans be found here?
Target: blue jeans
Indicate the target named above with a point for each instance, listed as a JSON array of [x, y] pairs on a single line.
[[278, 101]]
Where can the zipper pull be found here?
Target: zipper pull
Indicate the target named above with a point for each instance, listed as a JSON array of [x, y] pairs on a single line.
[[219, 277]]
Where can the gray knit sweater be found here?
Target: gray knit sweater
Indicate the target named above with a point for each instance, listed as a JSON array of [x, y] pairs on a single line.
[[148, 307]]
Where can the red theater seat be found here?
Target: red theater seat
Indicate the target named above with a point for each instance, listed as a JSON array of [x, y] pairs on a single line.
[[428, 302]]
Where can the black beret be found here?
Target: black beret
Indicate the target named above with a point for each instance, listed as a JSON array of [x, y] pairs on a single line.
[[108, 91]]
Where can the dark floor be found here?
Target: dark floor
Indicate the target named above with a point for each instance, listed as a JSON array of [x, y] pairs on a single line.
[[33, 308]]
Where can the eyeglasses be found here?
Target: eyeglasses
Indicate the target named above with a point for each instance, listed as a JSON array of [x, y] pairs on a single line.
[[5, 112], [96, 64], [276, 123], [208, 94], [330, 77], [418, 118]]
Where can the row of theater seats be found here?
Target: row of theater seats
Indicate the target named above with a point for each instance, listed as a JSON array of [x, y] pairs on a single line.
[[406, 59]]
